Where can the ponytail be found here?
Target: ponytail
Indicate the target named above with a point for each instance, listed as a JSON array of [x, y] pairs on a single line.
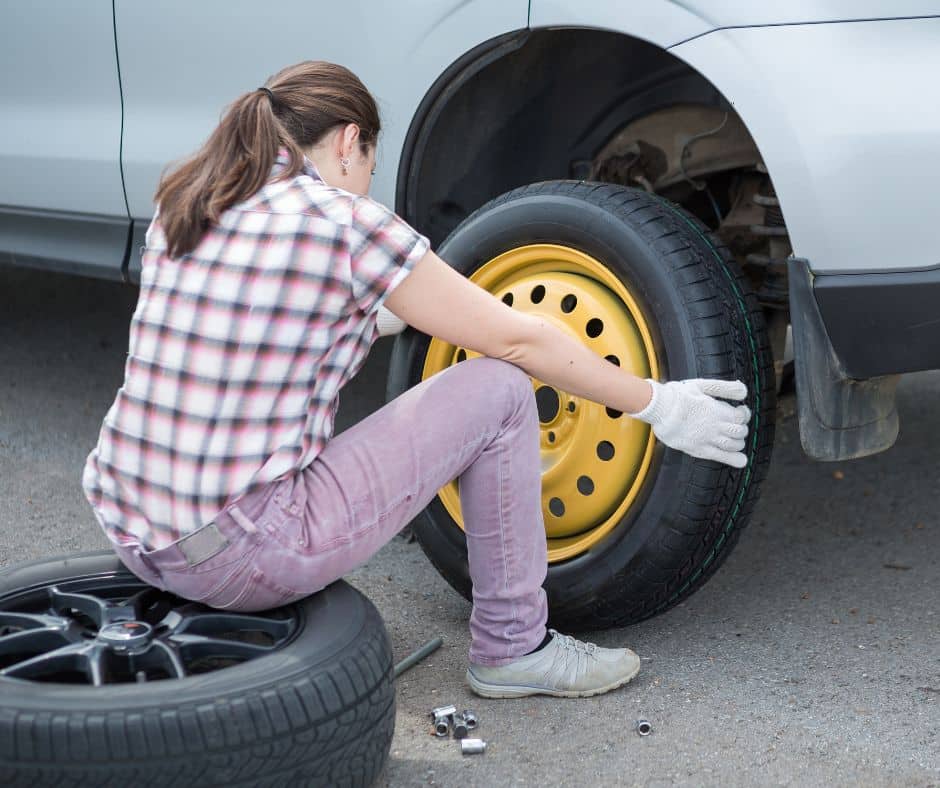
[[298, 107]]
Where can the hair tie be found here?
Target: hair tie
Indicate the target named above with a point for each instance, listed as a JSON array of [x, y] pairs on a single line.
[[269, 94]]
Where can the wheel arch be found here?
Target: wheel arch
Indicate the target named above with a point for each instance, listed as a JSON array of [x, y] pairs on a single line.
[[533, 105]]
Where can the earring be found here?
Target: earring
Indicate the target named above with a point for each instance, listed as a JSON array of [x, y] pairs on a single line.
[[344, 163]]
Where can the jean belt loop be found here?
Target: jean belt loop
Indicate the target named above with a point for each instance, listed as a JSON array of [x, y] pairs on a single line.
[[243, 520]]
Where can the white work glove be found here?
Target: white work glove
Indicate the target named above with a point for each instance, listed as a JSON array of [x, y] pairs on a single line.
[[388, 322], [685, 416]]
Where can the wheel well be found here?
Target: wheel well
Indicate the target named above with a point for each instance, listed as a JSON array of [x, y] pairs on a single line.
[[593, 105], [533, 106]]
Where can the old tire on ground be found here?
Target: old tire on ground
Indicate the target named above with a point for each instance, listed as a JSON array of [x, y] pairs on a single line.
[[637, 528], [299, 695]]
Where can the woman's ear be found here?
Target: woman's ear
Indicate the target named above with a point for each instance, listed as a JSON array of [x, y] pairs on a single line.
[[349, 138]]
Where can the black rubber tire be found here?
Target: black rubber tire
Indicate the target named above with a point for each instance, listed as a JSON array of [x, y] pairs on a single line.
[[706, 322], [318, 711]]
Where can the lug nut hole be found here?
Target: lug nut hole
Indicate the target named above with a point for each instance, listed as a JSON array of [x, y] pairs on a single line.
[[605, 450]]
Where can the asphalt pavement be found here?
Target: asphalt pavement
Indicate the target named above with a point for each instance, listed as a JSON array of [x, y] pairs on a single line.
[[811, 658]]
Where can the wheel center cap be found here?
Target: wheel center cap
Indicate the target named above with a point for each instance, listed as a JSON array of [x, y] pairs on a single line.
[[126, 634]]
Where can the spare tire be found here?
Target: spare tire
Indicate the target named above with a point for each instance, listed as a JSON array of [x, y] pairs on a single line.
[[633, 527], [106, 681]]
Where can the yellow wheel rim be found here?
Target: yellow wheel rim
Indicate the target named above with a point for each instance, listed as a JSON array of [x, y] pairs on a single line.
[[594, 460]]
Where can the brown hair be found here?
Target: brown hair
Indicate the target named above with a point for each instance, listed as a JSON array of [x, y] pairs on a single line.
[[302, 103]]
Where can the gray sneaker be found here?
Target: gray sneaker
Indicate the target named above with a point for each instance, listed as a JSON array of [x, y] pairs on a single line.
[[566, 668]]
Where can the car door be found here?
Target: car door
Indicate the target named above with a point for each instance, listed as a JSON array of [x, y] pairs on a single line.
[[61, 195], [182, 62]]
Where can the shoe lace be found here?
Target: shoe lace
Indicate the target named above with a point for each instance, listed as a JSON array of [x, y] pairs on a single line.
[[578, 646]]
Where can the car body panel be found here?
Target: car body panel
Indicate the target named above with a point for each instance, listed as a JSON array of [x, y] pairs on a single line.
[[60, 139], [739, 13], [847, 119], [669, 22], [175, 86]]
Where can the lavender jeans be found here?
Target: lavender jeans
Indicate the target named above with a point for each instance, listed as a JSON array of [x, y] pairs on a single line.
[[475, 421]]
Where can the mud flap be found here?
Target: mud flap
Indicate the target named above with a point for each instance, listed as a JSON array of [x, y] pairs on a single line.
[[841, 418]]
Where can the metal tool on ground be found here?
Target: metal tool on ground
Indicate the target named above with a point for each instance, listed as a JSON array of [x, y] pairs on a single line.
[[461, 729], [413, 659], [441, 719], [470, 718], [643, 727], [472, 746]]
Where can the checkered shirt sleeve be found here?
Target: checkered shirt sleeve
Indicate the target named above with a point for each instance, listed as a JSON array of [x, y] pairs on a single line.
[[383, 249]]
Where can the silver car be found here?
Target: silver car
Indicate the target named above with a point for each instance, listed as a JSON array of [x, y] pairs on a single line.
[[682, 185]]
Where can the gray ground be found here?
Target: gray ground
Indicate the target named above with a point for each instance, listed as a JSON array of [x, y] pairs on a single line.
[[812, 657]]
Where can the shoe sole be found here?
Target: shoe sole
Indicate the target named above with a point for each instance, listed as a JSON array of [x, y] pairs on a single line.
[[485, 690]]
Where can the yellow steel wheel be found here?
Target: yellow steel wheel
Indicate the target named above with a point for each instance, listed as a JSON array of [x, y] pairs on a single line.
[[594, 459]]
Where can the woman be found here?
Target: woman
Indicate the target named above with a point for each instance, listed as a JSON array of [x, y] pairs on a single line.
[[216, 475]]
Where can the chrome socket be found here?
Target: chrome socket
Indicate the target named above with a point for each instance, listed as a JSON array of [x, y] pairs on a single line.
[[460, 727], [443, 711], [643, 727], [441, 717], [470, 718], [441, 726]]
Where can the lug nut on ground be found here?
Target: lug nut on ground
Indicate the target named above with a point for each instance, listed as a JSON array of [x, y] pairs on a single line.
[[472, 746], [643, 727], [460, 727]]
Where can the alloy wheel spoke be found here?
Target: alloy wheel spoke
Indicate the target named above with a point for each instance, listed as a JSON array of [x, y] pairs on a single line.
[[170, 658], [17, 620], [213, 623], [32, 641], [63, 601], [95, 665], [73, 657], [198, 646]]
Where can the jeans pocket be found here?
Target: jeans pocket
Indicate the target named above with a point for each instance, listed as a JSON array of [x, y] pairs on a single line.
[[252, 591], [200, 584]]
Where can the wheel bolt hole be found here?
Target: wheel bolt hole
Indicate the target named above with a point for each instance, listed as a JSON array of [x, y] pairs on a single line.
[[571, 407], [461, 355], [585, 485], [568, 303], [538, 293], [507, 299], [556, 506], [551, 437], [547, 402], [613, 360], [614, 414], [594, 327], [605, 450]]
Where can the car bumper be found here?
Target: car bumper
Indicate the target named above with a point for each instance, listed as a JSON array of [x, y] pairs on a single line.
[[882, 324]]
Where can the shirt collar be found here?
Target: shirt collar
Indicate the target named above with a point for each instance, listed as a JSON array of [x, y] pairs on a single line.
[[283, 157]]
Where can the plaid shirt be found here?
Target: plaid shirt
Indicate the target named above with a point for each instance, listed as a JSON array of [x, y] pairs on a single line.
[[238, 351]]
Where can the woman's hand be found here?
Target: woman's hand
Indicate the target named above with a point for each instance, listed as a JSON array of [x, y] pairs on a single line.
[[685, 416]]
